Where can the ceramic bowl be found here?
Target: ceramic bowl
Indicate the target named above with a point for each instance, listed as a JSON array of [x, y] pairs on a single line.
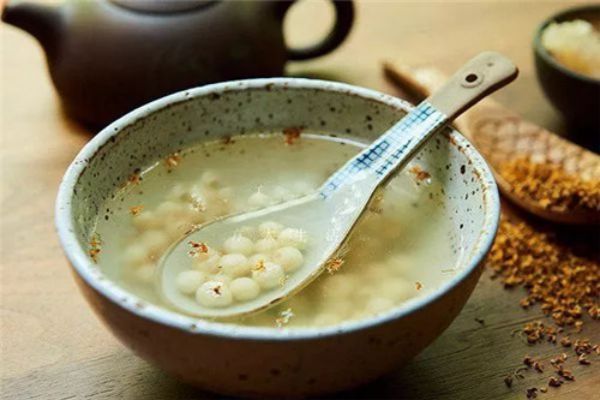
[[254, 361], [574, 95]]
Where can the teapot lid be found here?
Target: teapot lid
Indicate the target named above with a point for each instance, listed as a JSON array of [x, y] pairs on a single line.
[[161, 6]]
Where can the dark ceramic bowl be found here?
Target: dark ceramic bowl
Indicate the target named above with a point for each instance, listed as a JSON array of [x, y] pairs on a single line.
[[575, 95]]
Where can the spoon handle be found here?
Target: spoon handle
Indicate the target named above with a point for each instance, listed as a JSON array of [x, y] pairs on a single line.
[[479, 77]]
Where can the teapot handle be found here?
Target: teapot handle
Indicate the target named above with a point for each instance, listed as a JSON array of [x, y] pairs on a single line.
[[344, 17]]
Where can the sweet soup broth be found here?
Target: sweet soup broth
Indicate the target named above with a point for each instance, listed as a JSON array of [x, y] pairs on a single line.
[[398, 251]]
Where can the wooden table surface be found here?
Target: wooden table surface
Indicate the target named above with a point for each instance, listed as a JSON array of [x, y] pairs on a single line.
[[53, 347]]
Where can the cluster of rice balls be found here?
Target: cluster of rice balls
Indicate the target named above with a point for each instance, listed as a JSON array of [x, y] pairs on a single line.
[[184, 206], [155, 229], [253, 260]]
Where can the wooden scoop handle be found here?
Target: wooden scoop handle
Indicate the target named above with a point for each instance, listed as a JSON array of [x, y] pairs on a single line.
[[476, 79]]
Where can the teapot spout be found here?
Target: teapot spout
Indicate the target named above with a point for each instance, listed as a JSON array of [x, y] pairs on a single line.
[[39, 20]]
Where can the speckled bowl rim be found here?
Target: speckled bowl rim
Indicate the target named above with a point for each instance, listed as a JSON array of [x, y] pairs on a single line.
[[92, 276], [547, 57]]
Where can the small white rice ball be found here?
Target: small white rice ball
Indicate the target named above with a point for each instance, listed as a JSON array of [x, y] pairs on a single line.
[[219, 277], [290, 258], [169, 210], [281, 194], [293, 237], [187, 282], [135, 254], [214, 294], [238, 244], [210, 179], [270, 276], [155, 241], [177, 192], [244, 289], [379, 304], [185, 215], [248, 231], [302, 188], [266, 245], [147, 220], [270, 229], [259, 199], [199, 205], [197, 198], [225, 193], [209, 265], [203, 256], [257, 258], [145, 273], [234, 265]]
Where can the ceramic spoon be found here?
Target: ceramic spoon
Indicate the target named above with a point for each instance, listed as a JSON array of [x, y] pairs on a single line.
[[327, 216], [502, 135]]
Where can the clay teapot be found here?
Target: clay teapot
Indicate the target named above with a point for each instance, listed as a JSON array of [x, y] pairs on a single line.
[[107, 57]]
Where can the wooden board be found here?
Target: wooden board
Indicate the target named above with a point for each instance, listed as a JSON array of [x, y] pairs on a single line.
[[53, 347]]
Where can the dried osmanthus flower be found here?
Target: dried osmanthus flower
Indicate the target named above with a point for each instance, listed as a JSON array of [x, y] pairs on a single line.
[[530, 362], [583, 360], [582, 346], [531, 393], [550, 186], [135, 178], [565, 341], [172, 160], [291, 134], [564, 284], [197, 248], [95, 247], [565, 373], [136, 210], [554, 382], [419, 173], [333, 265], [284, 318]]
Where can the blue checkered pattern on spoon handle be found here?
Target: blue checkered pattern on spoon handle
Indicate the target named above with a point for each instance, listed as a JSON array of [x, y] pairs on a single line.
[[389, 151]]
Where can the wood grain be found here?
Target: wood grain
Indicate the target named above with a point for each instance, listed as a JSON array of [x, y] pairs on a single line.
[[52, 347]]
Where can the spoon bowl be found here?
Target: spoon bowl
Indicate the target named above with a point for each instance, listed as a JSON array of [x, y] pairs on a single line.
[[306, 213]]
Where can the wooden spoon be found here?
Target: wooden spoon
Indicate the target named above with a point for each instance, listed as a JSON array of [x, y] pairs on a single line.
[[329, 215], [503, 136]]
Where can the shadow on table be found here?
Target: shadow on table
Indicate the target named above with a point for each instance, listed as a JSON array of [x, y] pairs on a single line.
[[398, 385], [395, 386]]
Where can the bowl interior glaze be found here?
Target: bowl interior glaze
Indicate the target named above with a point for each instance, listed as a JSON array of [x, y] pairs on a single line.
[[136, 141]]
